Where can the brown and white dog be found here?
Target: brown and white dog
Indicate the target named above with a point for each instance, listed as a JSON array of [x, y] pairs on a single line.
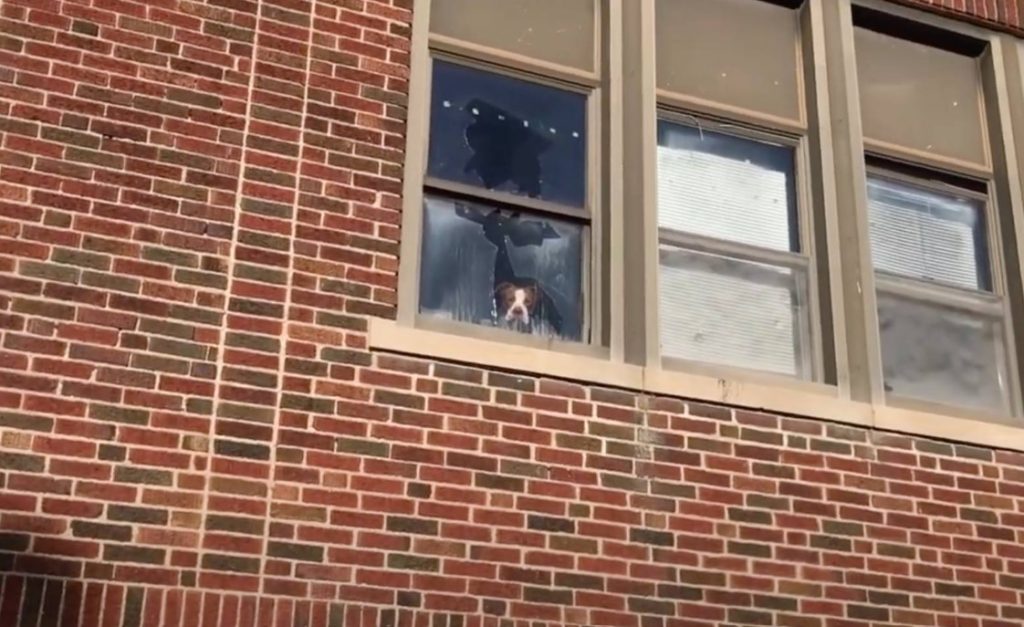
[[516, 301]]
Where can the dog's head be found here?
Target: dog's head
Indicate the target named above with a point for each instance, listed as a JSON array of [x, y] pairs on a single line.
[[516, 302]]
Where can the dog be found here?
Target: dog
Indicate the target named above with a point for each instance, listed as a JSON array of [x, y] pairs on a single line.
[[523, 305], [517, 301]]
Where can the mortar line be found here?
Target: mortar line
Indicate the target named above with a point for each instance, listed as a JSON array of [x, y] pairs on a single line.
[[222, 339], [289, 288]]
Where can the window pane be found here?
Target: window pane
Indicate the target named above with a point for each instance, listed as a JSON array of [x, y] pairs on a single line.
[[919, 97], [741, 53], [941, 354], [925, 234], [507, 134], [534, 287], [736, 313], [726, 187], [561, 31]]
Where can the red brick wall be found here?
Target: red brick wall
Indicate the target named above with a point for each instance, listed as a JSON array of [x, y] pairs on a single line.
[[1004, 14], [180, 178]]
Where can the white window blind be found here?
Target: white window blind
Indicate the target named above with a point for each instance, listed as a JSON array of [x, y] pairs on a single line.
[[725, 187], [735, 313], [926, 235], [714, 307]]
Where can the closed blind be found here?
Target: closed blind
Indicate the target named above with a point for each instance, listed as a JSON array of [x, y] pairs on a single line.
[[725, 187], [926, 235], [735, 313]]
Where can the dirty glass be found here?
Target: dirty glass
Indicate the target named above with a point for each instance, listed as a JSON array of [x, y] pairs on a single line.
[[560, 32], [507, 134], [475, 257], [735, 313], [941, 354], [726, 187], [740, 53], [919, 97], [927, 235]]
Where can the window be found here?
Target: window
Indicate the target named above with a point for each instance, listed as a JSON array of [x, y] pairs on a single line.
[[733, 282], [506, 202], [734, 271], [940, 308], [940, 324], [801, 197]]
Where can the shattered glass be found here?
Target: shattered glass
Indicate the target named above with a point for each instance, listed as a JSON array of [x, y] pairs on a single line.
[[473, 251], [507, 134]]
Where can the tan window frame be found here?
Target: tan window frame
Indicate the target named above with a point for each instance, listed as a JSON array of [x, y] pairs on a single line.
[[417, 185], [997, 305], [992, 304], [801, 260]]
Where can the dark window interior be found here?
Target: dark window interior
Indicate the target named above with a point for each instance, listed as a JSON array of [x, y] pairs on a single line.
[[506, 134]]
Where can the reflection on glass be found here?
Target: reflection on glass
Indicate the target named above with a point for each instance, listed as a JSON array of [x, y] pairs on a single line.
[[498, 268], [734, 313], [925, 234], [942, 355], [501, 133], [726, 187]]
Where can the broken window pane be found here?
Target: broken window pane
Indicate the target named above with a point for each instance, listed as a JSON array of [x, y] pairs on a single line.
[[507, 134], [726, 187], [925, 234], [941, 354], [501, 268], [735, 313]]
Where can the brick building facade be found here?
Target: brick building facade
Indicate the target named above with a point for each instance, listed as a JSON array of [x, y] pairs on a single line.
[[200, 211]]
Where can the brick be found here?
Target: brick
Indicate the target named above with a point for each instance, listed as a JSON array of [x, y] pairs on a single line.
[[129, 474], [48, 271], [26, 422], [81, 258], [419, 526], [548, 523], [362, 447], [231, 563], [136, 554], [19, 461], [123, 415], [652, 537], [101, 531], [241, 449], [125, 513], [413, 562], [289, 550], [234, 524]]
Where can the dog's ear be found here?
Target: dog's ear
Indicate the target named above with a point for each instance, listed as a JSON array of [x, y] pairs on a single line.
[[503, 293], [531, 295]]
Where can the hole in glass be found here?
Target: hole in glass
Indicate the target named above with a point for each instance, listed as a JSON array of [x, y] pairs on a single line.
[[507, 134]]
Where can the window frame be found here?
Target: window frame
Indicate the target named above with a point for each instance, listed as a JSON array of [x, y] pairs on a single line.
[[804, 259], [942, 167], [417, 185], [623, 110], [990, 303]]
